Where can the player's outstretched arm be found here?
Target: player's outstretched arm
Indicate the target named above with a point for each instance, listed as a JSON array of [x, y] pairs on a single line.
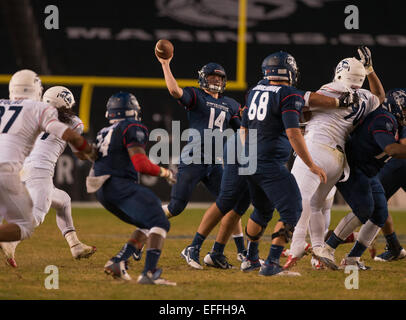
[[173, 88], [375, 84], [299, 145], [346, 100], [84, 151], [396, 150], [142, 164]]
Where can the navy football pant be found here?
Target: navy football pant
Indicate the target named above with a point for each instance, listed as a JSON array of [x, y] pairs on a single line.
[[234, 193], [365, 196], [275, 189], [132, 203], [393, 176], [188, 177]]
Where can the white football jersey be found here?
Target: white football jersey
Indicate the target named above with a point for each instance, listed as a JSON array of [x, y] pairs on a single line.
[[332, 126], [48, 148], [21, 121]]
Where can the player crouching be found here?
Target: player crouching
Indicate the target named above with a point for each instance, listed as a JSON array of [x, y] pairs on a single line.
[[115, 179]]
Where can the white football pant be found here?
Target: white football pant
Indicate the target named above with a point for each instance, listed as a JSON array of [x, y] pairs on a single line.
[[314, 193], [15, 202], [44, 195]]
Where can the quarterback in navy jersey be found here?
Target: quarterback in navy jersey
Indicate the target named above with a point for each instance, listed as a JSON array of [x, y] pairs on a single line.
[[370, 146], [207, 109], [115, 179]]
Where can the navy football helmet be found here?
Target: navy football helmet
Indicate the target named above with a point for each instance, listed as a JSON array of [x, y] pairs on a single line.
[[280, 66], [395, 103], [209, 69], [123, 105]]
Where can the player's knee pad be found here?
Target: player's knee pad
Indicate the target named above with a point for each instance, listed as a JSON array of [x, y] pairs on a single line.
[[286, 232], [255, 237], [176, 206], [160, 231]]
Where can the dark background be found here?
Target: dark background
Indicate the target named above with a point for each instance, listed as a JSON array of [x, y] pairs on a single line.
[[117, 38]]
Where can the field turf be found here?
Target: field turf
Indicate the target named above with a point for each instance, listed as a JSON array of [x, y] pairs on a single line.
[[85, 279]]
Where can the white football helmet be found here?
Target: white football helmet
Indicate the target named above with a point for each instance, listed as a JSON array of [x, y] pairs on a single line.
[[25, 84], [351, 72], [58, 97]]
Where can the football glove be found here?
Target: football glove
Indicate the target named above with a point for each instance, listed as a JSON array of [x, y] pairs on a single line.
[[366, 58], [168, 175], [348, 99]]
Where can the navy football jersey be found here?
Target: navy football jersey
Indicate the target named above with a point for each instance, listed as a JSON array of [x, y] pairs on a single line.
[[206, 112], [365, 148], [112, 143], [271, 109]]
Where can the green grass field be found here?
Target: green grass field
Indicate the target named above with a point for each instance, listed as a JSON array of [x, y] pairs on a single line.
[[85, 279]]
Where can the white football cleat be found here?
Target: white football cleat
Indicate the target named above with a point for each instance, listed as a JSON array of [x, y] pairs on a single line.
[[118, 270], [353, 261], [82, 251], [154, 278], [326, 256], [9, 251]]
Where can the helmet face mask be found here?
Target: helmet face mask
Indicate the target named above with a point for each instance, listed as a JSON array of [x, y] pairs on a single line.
[[280, 66], [216, 84], [25, 84], [123, 105], [395, 103], [351, 72]]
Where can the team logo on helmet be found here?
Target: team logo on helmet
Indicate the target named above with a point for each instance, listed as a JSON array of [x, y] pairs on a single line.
[[65, 96], [343, 65]]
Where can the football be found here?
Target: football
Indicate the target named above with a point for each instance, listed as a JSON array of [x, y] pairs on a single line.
[[164, 49]]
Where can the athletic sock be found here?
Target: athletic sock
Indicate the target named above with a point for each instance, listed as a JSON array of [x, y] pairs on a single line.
[[274, 254], [151, 260], [357, 250], [393, 243], [334, 241], [125, 253], [218, 247], [252, 251], [239, 242], [198, 240]]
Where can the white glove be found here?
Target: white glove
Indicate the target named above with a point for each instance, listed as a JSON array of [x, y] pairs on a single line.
[[168, 175], [366, 58]]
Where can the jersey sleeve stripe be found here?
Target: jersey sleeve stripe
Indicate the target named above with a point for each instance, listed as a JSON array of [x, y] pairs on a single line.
[[294, 94], [193, 101], [331, 89], [380, 131], [291, 111], [379, 116], [135, 124], [79, 124], [132, 125]]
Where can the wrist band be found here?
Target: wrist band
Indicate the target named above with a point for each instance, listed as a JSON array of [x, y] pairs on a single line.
[[83, 145]]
